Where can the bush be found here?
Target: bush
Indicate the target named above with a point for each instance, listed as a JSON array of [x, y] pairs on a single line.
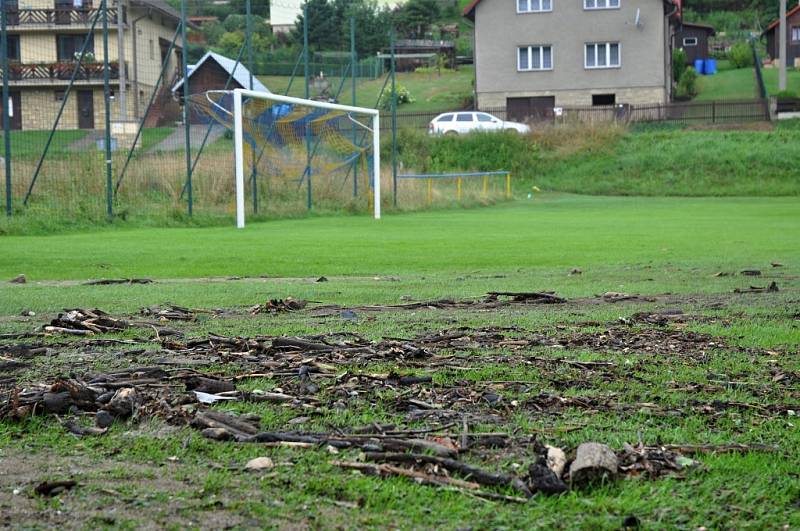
[[786, 95], [687, 86], [741, 55], [678, 64], [403, 96]]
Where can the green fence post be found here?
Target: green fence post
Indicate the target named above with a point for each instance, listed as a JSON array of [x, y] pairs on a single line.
[[394, 121], [353, 63], [107, 105], [248, 41], [6, 105], [186, 124], [308, 94]]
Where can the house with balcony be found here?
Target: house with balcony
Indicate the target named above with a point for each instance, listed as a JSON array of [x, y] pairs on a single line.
[[532, 56], [45, 38]]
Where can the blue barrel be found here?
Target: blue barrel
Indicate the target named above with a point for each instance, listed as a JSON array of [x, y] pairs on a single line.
[[698, 65], [710, 67]]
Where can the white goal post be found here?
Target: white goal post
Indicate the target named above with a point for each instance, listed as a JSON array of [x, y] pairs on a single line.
[[239, 96]]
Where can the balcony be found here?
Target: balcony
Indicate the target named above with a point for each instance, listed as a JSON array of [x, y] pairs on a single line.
[[52, 18], [59, 73]]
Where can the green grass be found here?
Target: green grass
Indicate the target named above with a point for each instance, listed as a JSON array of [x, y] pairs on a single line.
[[727, 84], [771, 80], [551, 231], [150, 474], [30, 144], [431, 91]]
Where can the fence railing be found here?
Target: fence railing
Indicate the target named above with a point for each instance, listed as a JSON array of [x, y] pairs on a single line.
[[61, 71], [56, 16], [762, 87], [724, 111], [459, 178]]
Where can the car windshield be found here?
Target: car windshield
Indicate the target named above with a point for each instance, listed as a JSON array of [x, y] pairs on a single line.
[[464, 118], [445, 118]]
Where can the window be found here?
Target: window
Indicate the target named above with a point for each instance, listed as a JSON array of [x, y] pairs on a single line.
[[602, 55], [445, 118], [534, 6], [483, 117], [690, 41], [13, 48], [152, 48], [464, 118], [795, 33], [604, 99], [601, 4], [534, 58], [68, 47], [60, 95]]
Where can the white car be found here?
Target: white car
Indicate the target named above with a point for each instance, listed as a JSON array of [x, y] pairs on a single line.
[[460, 123]]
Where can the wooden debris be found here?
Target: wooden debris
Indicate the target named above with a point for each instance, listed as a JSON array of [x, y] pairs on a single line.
[[53, 488], [593, 462], [112, 281], [535, 297], [19, 279], [750, 273], [288, 304], [772, 288]]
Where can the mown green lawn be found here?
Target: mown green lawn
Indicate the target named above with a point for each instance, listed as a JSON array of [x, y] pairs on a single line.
[[792, 80], [727, 84], [550, 231]]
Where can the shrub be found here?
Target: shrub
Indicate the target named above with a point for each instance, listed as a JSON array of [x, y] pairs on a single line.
[[678, 64], [403, 96], [741, 55], [687, 86]]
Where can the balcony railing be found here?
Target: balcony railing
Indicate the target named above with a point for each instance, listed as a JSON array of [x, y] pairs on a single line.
[[57, 17], [59, 71]]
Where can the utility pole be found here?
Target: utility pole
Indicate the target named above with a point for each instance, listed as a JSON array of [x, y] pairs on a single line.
[[782, 52], [6, 105]]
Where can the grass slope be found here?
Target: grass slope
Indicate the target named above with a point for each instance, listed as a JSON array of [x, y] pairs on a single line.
[[727, 84]]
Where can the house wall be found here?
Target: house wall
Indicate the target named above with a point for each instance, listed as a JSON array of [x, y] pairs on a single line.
[[693, 52], [40, 107], [642, 77], [793, 47]]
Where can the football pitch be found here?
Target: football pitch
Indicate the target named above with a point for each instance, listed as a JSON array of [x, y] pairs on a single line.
[[412, 372]]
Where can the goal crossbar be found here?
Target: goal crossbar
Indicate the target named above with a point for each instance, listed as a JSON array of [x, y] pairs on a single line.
[[239, 96]]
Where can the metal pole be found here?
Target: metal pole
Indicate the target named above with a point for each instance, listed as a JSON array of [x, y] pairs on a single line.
[[238, 146], [307, 95], [6, 106], [186, 124], [248, 41], [394, 122], [782, 52], [353, 63], [107, 105], [123, 74]]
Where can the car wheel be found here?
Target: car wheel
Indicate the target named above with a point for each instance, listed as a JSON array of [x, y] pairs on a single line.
[[451, 133]]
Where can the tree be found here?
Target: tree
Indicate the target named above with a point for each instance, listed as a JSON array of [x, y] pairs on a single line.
[[415, 17]]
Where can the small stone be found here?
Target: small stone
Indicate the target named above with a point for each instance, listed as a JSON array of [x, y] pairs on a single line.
[[259, 463], [19, 279], [103, 419]]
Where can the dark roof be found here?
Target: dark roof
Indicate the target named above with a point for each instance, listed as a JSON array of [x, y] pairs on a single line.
[[469, 11], [162, 7], [777, 21], [710, 29]]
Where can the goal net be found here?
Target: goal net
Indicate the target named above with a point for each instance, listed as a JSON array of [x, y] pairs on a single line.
[[303, 147]]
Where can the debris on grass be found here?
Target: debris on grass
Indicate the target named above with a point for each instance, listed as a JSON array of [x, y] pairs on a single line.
[[115, 281], [771, 288], [288, 304], [19, 279], [54, 488]]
